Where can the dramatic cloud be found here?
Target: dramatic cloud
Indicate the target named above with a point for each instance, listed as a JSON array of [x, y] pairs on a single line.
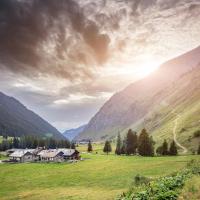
[[65, 58], [52, 37]]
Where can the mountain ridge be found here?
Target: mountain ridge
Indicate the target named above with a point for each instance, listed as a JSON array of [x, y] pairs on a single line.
[[72, 133], [17, 120], [132, 104]]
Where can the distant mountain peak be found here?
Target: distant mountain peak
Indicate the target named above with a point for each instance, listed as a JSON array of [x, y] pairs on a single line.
[[71, 134]]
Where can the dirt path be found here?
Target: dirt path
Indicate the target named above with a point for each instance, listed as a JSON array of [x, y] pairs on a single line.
[[185, 150]]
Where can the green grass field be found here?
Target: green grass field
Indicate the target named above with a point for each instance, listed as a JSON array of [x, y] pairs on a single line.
[[191, 190], [99, 177]]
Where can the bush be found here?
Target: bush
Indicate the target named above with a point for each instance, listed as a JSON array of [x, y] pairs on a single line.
[[166, 188], [196, 134], [140, 180], [194, 167]]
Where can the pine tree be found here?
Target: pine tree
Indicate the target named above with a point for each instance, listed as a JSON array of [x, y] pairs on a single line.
[[15, 142], [198, 151], [159, 150], [131, 142], [123, 148], [107, 148], [173, 149], [119, 145], [145, 145], [165, 148], [5, 145], [90, 146], [73, 145], [152, 143]]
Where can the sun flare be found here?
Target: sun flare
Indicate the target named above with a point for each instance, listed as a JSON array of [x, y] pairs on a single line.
[[144, 71]]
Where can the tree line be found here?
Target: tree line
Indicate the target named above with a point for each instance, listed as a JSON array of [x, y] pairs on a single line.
[[134, 144], [33, 142], [166, 150], [142, 144]]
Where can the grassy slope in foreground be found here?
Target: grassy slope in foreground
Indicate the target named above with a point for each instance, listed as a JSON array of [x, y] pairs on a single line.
[[101, 177]]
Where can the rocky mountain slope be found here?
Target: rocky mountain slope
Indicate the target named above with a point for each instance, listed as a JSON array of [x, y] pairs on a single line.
[[134, 103], [17, 120]]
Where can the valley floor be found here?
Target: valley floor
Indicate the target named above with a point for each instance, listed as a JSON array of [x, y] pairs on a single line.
[[96, 178]]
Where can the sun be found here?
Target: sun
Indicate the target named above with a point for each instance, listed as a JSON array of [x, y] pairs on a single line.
[[146, 69]]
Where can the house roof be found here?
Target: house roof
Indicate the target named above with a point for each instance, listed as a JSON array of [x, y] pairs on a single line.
[[51, 153], [68, 152], [21, 152]]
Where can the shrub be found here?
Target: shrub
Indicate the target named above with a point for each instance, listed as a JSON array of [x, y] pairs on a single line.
[[196, 134], [166, 188], [140, 180]]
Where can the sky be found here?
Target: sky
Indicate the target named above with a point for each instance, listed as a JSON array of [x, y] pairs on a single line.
[[64, 59]]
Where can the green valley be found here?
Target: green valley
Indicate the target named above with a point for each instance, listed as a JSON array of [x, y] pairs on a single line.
[[96, 178]]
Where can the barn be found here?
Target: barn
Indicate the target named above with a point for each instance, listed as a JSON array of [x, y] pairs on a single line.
[[70, 154], [22, 155], [51, 155]]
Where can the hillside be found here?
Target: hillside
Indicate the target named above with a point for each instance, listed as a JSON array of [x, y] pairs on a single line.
[[131, 105], [181, 103], [17, 120], [72, 133]]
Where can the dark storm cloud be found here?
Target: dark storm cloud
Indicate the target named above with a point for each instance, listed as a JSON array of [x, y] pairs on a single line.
[[27, 26]]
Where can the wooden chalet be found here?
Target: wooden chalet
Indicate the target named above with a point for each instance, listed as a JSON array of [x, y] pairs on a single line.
[[22, 155]]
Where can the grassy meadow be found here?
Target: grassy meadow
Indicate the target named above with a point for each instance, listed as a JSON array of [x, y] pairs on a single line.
[[191, 190], [98, 177]]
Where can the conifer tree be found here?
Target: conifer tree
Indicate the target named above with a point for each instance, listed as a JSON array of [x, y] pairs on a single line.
[[165, 148], [131, 142], [73, 145], [123, 148], [89, 147], [152, 143], [145, 145], [173, 149], [15, 142], [107, 148], [159, 150], [119, 145]]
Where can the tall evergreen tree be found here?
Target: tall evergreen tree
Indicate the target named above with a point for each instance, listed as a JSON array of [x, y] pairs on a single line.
[[145, 144], [5, 145], [165, 148], [173, 149], [131, 142], [159, 150], [90, 147], [107, 147], [119, 145], [152, 143], [123, 148], [15, 142], [73, 146]]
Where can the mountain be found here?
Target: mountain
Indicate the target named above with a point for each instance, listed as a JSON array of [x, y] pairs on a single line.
[[72, 133], [131, 105], [179, 106], [17, 120]]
